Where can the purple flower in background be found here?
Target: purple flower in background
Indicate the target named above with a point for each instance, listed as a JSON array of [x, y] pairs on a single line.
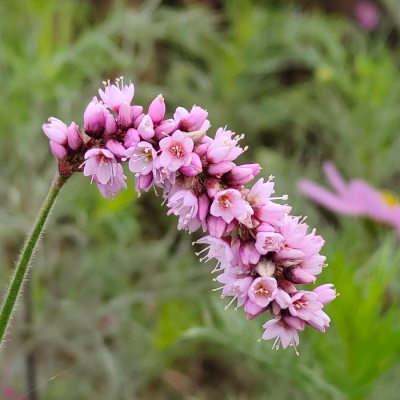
[[368, 15], [356, 198]]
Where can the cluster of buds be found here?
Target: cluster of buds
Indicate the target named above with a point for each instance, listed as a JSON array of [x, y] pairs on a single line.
[[262, 251]]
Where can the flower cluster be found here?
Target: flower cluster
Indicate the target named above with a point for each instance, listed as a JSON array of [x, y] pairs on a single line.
[[262, 251]]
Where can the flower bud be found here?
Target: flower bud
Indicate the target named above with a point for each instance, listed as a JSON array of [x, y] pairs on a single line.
[[95, 118], [74, 137], [325, 293], [157, 109], [204, 206], [287, 286], [298, 275], [165, 128], [216, 226], [194, 168], [124, 116], [201, 149], [196, 136], [220, 169], [111, 124], [56, 130], [58, 150], [143, 182], [145, 129], [213, 186], [231, 226], [194, 120], [116, 147], [132, 138], [249, 254], [138, 120], [295, 322], [242, 174], [136, 111]]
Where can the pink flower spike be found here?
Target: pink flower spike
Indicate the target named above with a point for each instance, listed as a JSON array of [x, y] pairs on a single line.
[[74, 137], [141, 158], [268, 242], [229, 204], [263, 290], [58, 150], [282, 332], [114, 95], [368, 15], [176, 151], [157, 109], [145, 128], [56, 130], [326, 293]]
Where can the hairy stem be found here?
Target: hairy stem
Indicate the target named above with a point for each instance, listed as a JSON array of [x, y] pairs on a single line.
[[26, 256]]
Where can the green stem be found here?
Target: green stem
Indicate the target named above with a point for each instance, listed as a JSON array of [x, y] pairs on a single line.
[[26, 255]]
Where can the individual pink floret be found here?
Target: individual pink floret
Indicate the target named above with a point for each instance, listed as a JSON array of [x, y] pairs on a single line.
[[114, 95], [263, 290], [101, 165], [176, 151], [228, 204], [141, 158], [56, 130], [282, 332]]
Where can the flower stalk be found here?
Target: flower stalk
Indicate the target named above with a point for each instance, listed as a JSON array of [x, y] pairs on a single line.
[[28, 250]]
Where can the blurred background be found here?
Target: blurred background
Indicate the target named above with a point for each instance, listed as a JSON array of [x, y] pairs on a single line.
[[118, 306]]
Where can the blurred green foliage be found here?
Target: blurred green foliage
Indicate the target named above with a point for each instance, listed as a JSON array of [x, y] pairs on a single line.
[[117, 294]]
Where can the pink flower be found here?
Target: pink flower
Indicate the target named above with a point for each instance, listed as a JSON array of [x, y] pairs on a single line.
[[319, 321], [94, 118], [74, 137], [224, 147], [56, 130], [58, 150], [176, 151], [196, 120], [357, 198], [141, 158], [229, 204], [146, 128], [282, 332], [184, 204], [268, 242], [157, 109], [217, 248], [304, 304], [101, 165], [114, 95], [368, 15], [117, 182], [242, 174], [326, 293], [143, 182], [194, 168], [263, 291]]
